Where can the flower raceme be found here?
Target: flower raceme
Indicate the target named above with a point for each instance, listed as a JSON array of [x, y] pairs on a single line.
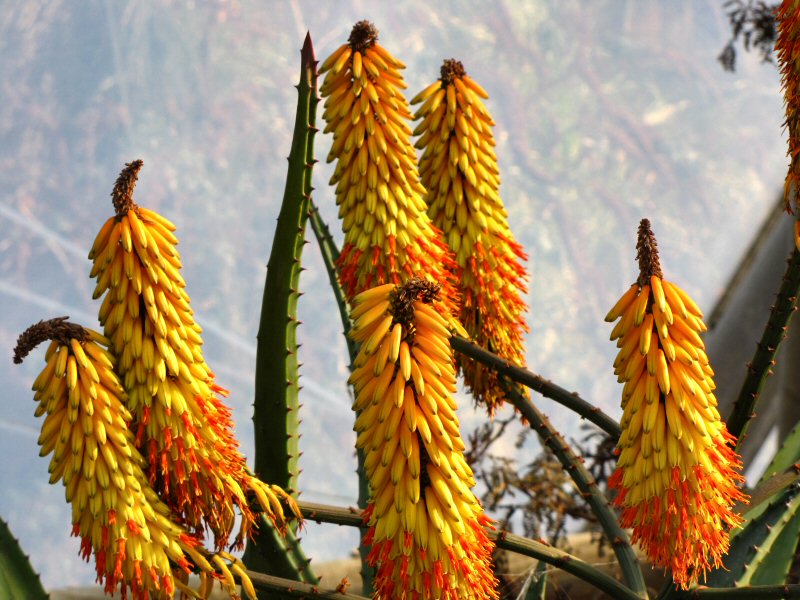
[[181, 425], [677, 473], [425, 524], [121, 521], [459, 169], [787, 48], [388, 235]]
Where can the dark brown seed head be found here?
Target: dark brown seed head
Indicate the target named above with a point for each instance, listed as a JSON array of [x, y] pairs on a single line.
[[58, 329], [122, 195], [404, 297], [451, 69], [363, 36], [647, 254]]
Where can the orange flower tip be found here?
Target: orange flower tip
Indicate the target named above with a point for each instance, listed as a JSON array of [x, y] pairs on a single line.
[[122, 194], [647, 254], [451, 69], [363, 36], [58, 329]]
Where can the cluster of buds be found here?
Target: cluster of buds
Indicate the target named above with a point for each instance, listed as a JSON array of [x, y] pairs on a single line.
[[425, 524], [388, 235], [677, 473], [459, 169], [138, 431], [181, 425], [135, 540], [445, 219], [426, 527]]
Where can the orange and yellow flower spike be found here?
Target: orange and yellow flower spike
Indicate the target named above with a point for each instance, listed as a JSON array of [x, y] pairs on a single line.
[[459, 169], [181, 424], [388, 235], [787, 48], [136, 544], [425, 524], [677, 473]]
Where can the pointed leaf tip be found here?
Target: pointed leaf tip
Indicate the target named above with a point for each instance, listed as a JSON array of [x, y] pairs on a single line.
[[17, 577], [307, 52]]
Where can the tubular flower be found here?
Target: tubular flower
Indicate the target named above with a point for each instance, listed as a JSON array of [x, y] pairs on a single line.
[[459, 169], [787, 47], [425, 524], [388, 235], [181, 425], [677, 473], [115, 512]]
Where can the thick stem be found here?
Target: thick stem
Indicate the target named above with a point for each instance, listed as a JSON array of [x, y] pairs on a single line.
[[297, 589], [769, 487], [539, 384], [756, 592], [551, 438], [276, 407], [330, 254], [586, 484], [764, 358]]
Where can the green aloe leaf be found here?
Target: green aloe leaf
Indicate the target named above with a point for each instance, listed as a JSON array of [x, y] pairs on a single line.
[[762, 549], [17, 577], [751, 592], [768, 488], [772, 563], [535, 586], [276, 407], [753, 544], [772, 557], [786, 456]]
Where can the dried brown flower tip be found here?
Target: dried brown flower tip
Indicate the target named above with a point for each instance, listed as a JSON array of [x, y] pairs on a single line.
[[451, 69], [414, 289], [363, 36], [122, 195], [404, 297], [58, 329], [647, 254]]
